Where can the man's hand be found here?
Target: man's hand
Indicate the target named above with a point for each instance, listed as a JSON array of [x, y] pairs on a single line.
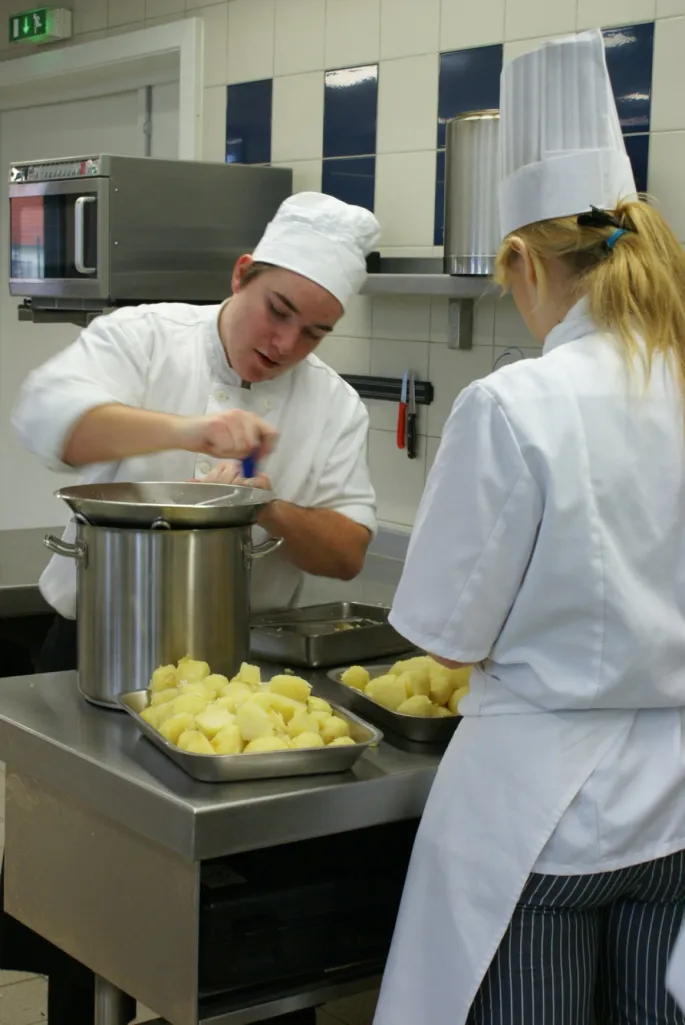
[[231, 435], [228, 472]]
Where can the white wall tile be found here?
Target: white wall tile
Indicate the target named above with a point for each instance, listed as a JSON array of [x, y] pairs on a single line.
[[483, 320], [300, 33], [526, 18], [397, 479], [668, 78], [405, 317], [162, 8], [449, 371], [87, 16], [409, 26], [356, 320], [192, 4], [297, 129], [306, 174], [390, 358], [477, 24], [346, 355], [215, 20], [214, 124], [509, 326], [353, 32], [250, 40], [407, 104], [125, 12], [669, 8], [382, 415], [666, 176], [405, 198], [604, 13]]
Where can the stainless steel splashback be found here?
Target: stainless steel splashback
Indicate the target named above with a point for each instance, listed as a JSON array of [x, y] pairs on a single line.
[[471, 212]]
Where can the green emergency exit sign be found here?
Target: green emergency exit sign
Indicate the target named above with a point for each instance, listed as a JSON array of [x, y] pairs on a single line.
[[40, 25]]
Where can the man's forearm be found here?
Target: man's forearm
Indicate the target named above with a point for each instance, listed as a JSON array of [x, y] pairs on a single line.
[[113, 432], [319, 541]]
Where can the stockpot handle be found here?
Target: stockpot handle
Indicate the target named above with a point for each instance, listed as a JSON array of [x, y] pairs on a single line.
[[259, 551], [78, 550]]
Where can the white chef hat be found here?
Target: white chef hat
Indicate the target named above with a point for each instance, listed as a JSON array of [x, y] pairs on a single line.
[[323, 239], [561, 147]]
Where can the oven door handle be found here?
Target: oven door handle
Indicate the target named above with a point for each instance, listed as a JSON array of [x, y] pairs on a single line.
[[79, 235]]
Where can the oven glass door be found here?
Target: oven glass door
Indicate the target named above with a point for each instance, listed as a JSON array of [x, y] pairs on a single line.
[[56, 238]]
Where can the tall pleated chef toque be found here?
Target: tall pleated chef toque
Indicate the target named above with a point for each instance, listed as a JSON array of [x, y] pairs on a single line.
[[323, 239], [561, 147]]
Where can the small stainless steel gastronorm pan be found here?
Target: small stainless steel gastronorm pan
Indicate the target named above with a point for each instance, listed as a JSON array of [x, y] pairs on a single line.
[[234, 768], [413, 727], [326, 635]]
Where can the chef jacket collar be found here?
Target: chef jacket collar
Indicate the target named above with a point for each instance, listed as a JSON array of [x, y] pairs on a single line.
[[576, 324], [223, 370]]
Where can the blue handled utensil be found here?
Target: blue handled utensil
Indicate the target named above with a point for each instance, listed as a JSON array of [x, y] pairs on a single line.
[[249, 468]]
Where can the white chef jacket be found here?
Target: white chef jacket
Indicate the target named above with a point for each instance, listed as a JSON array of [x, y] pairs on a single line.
[[549, 550], [168, 357]]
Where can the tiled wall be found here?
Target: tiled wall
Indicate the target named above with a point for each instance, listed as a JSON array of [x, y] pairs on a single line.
[[353, 95]]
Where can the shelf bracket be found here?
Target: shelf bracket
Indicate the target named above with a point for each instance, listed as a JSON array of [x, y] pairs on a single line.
[[460, 324]]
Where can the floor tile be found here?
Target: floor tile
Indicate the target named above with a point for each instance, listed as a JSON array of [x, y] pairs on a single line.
[[23, 1003]]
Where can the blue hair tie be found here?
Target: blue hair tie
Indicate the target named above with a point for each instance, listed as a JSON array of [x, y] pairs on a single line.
[[613, 238]]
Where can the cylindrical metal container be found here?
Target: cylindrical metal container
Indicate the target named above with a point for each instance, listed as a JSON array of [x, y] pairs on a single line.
[[148, 597], [471, 211]]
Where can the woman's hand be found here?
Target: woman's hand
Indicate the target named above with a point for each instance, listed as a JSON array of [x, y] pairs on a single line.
[[228, 472], [231, 435]]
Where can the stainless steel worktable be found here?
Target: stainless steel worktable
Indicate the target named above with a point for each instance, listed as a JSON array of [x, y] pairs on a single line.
[[23, 557], [102, 828]]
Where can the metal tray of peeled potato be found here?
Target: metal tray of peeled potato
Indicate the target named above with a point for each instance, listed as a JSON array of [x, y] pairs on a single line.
[[416, 698], [219, 730]]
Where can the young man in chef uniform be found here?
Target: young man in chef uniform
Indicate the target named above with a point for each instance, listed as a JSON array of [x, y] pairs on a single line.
[[173, 392], [548, 878]]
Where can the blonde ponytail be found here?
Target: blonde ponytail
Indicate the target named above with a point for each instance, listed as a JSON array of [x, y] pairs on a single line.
[[634, 289]]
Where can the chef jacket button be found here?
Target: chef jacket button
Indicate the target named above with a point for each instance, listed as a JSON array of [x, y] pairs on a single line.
[[268, 404], [221, 395], [204, 467]]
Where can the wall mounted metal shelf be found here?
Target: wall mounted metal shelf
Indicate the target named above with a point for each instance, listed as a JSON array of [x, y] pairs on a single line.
[[408, 276]]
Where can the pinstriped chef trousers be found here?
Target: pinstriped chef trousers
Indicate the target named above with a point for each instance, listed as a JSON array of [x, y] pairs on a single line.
[[588, 950]]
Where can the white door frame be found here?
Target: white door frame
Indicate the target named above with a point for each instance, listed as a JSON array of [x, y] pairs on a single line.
[[118, 63]]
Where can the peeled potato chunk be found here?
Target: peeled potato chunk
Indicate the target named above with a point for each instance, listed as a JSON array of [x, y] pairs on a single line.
[[290, 687], [417, 681], [315, 704], [406, 665], [440, 712], [455, 698], [191, 671], [160, 697], [253, 721], [419, 704], [334, 727], [262, 745], [151, 715], [213, 720], [442, 684], [249, 674], [461, 677], [302, 722], [318, 718], [286, 707], [193, 703], [342, 742], [388, 691], [357, 677], [303, 740], [175, 725], [263, 698], [163, 678], [195, 743], [215, 683], [228, 741]]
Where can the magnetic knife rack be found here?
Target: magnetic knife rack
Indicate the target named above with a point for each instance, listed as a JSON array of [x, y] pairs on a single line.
[[388, 389]]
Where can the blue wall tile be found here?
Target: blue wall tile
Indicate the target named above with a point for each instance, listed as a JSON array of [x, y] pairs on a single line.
[[248, 122], [630, 53], [638, 151], [352, 179], [439, 224], [350, 105], [469, 80]]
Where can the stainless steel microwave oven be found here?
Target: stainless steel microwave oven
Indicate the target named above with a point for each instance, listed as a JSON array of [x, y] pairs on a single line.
[[102, 231]]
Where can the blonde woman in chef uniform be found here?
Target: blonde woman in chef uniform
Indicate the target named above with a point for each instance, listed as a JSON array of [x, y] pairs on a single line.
[[172, 392], [548, 878]]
